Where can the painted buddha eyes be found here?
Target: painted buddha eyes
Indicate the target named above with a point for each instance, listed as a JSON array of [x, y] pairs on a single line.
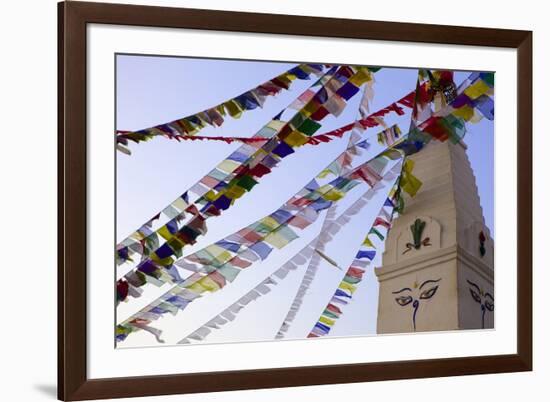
[[403, 300], [486, 304], [425, 294], [429, 293], [489, 302], [475, 295]]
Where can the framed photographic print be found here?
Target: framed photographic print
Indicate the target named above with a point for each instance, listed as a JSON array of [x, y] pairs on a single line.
[[252, 200]]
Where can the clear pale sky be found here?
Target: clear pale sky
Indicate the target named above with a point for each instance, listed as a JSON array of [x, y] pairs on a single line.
[[152, 90]]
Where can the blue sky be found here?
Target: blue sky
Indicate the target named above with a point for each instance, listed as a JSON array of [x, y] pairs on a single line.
[[152, 90]]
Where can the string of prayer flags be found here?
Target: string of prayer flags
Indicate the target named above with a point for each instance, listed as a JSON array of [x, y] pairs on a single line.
[[410, 183], [222, 197], [214, 116], [263, 288], [145, 238], [327, 233], [202, 283], [215, 261], [351, 279], [475, 97], [215, 180], [220, 176], [198, 283], [266, 232]]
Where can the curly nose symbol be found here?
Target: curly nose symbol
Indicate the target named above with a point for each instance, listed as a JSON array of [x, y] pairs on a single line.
[[483, 310], [415, 307]]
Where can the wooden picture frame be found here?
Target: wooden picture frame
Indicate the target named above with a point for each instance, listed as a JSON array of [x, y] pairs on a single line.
[[73, 17]]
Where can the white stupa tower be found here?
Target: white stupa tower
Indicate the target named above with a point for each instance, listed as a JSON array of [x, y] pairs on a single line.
[[437, 269]]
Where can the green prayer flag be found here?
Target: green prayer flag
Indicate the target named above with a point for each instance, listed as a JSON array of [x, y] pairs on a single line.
[[247, 182], [297, 120], [351, 279], [309, 127], [330, 314], [377, 233], [489, 78], [229, 272]]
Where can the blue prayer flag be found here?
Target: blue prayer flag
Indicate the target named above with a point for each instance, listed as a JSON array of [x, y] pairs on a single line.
[[283, 149], [366, 254], [341, 293], [234, 247], [262, 249]]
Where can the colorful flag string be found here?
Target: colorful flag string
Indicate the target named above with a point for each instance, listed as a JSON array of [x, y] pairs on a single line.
[[244, 177], [218, 266], [315, 261], [231, 312], [354, 274], [159, 269], [446, 123], [145, 239], [215, 116], [196, 285]]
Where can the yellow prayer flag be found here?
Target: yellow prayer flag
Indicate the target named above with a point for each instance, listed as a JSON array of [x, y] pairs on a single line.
[[161, 261], [410, 184], [290, 76], [333, 195], [408, 166], [224, 257], [324, 173], [326, 320], [360, 77], [211, 196], [347, 286], [392, 154], [176, 243], [228, 165], [477, 89], [296, 139], [234, 192], [269, 222], [205, 284], [214, 250], [324, 189], [367, 242], [165, 233], [233, 109], [465, 112], [276, 240]]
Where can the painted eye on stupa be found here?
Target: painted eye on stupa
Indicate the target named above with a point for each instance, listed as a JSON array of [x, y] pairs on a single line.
[[489, 303], [475, 296], [428, 293], [403, 300], [475, 291]]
